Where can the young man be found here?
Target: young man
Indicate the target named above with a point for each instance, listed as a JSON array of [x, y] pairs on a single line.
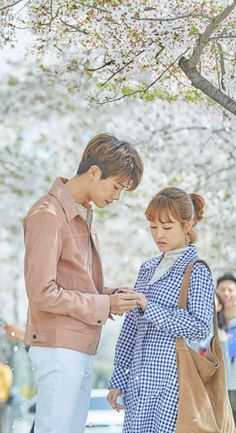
[[68, 303]]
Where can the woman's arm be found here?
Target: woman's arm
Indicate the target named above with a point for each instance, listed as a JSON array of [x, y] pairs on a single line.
[[193, 322], [125, 344]]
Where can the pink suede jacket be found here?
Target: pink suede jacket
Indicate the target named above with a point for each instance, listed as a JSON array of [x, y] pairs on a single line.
[[67, 300]]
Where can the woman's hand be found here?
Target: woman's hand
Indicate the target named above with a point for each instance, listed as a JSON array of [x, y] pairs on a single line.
[[112, 398], [142, 301]]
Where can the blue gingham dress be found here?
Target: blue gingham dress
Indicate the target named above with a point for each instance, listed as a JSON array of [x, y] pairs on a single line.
[[145, 359]]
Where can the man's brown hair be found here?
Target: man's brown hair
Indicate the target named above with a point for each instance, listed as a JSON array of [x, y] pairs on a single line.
[[114, 158]]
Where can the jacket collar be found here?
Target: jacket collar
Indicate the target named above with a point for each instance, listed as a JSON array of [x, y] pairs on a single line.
[[70, 207]]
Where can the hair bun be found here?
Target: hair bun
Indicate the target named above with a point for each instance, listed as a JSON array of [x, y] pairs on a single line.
[[198, 204]]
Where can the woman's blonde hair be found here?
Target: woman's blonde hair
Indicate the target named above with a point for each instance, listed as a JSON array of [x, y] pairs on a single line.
[[176, 203]]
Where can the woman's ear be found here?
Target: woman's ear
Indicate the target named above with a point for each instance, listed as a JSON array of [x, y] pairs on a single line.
[[187, 226]]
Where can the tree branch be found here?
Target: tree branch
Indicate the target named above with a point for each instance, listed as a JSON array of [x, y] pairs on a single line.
[[21, 9], [216, 38], [143, 91], [201, 83], [51, 9], [205, 36], [100, 67], [222, 64], [190, 128], [189, 66], [123, 67], [11, 5], [120, 97], [128, 63], [161, 75], [220, 170], [75, 28], [180, 17], [217, 69]]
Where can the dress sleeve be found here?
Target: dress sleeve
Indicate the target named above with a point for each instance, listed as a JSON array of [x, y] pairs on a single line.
[[124, 353], [193, 322], [125, 347]]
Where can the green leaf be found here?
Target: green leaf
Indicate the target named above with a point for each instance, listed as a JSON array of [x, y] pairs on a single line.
[[13, 81], [126, 90], [193, 30]]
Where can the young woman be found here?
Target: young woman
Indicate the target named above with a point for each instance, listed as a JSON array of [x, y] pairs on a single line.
[[145, 361]]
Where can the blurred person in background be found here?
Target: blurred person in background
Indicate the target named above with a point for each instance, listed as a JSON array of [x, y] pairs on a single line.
[[222, 323], [16, 333], [202, 346], [226, 289], [6, 380]]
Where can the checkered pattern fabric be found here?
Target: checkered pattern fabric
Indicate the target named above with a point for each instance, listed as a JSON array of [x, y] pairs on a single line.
[[145, 359]]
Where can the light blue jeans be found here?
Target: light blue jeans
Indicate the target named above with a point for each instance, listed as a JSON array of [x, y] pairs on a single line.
[[64, 381]]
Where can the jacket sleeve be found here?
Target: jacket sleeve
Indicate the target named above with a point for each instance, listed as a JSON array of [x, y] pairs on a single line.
[[124, 353], [193, 322], [43, 248]]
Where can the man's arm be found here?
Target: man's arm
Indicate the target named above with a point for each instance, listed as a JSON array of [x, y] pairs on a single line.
[[43, 249]]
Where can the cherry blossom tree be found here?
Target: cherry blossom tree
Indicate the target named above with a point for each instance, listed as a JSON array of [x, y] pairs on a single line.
[[176, 49], [156, 64], [43, 131]]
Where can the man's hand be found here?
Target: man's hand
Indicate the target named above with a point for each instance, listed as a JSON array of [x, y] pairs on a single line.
[[123, 302], [112, 398], [123, 290]]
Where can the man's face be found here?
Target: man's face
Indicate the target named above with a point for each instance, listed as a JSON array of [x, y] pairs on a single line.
[[227, 291], [104, 191]]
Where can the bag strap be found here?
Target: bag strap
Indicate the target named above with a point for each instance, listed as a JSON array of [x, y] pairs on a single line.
[[184, 291]]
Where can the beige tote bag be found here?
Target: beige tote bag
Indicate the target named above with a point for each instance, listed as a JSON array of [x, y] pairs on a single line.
[[204, 405]]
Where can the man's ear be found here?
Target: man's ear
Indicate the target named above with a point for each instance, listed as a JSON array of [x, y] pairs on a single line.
[[94, 173]]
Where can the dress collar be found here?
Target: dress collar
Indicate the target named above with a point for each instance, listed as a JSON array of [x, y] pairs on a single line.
[[189, 254]]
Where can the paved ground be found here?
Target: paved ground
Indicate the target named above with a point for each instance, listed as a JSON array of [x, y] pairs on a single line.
[[21, 427]]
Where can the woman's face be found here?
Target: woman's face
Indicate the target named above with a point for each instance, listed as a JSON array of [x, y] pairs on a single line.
[[169, 233]]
